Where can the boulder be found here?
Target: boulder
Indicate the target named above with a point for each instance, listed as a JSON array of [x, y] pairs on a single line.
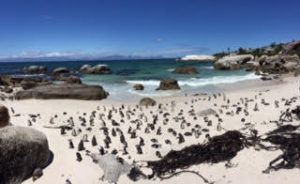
[[98, 69], [63, 91], [111, 166], [22, 150], [10, 80], [147, 102], [138, 87], [232, 62], [291, 66], [86, 69], [186, 70], [207, 112], [8, 90], [297, 72], [69, 79], [168, 84], [60, 70], [278, 64], [265, 78], [4, 116], [22, 81], [28, 83], [73, 80], [35, 69]]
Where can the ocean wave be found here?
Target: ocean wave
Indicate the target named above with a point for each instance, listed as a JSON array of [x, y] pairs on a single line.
[[195, 82], [144, 82], [171, 69], [208, 67]]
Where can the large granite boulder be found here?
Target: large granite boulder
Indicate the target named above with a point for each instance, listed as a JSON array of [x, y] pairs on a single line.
[[63, 91], [7, 90], [69, 79], [168, 84], [98, 69], [33, 82], [73, 80], [22, 151], [35, 69], [206, 112], [10, 80], [147, 102], [232, 62], [138, 87], [60, 70], [278, 64], [186, 70], [4, 116], [24, 82]]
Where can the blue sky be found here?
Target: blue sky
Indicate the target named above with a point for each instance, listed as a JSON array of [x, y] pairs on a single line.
[[169, 28]]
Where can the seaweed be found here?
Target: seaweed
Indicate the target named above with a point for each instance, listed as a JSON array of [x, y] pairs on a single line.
[[219, 148]]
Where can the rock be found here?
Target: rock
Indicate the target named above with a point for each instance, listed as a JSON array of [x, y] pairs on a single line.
[[112, 166], [22, 81], [8, 90], [186, 70], [200, 58], [291, 66], [232, 62], [22, 151], [297, 72], [4, 116], [147, 102], [69, 79], [278, 64], [10, 80], [207, 112], [73, 80], [60, 70], [86, 69], [28, 84], [168, 84], [266, 78], [138, 87], [35, 69], [63, 91], [98, 69]]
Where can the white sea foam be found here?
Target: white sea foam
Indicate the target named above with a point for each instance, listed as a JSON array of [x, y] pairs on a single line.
[[208, 67], [194, 82], [144, 82]]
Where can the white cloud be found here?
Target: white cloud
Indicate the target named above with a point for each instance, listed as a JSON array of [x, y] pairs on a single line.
[[39, 54], [176, 52]]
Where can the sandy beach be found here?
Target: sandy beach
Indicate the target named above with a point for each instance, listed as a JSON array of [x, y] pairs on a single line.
[[247, 166]]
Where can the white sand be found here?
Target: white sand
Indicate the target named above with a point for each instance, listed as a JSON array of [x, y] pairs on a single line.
[[250, 163]]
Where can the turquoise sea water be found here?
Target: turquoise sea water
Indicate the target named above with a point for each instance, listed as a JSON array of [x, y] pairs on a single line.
[[127, 73]]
